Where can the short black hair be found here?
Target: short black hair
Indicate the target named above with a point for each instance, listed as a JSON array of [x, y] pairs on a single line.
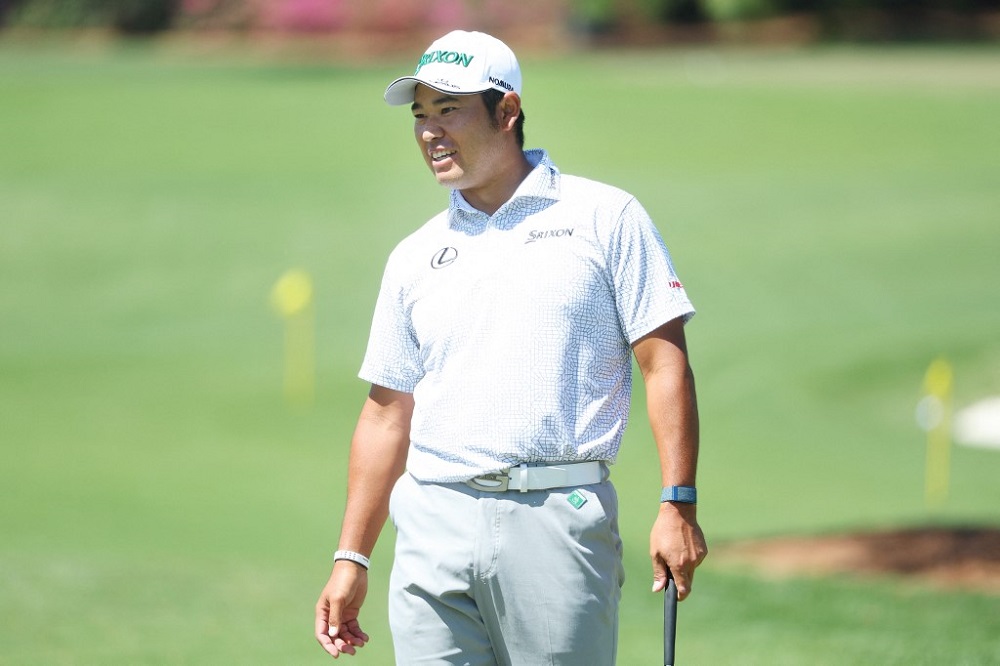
[[491, 98]]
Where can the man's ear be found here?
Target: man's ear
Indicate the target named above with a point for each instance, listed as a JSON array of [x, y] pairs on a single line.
[[508, 110]]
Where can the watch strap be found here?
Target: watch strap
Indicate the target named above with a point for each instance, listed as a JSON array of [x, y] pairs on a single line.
[[357, 558], [682, 494]]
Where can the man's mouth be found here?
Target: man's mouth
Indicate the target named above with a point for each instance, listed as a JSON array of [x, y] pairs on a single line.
[[439, 155]]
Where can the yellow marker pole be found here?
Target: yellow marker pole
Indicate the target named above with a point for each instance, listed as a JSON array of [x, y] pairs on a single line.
[[934, 416], [292, 299]]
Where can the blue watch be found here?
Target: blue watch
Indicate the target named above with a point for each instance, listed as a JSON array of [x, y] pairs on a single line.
[[682, 494]]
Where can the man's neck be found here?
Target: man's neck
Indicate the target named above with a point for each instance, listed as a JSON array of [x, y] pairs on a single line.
[[490, 199]]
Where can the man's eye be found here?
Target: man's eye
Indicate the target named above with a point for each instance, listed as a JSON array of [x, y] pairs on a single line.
[[419, 116]]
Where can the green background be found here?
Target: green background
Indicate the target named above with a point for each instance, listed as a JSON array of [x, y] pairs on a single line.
[[834, 214]]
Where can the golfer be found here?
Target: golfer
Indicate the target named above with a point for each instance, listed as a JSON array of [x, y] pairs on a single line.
[[500, 368]]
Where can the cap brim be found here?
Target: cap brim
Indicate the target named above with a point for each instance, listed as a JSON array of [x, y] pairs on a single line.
[[400, 91]]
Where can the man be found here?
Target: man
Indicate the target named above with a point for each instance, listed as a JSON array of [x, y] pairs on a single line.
[[500, 369]]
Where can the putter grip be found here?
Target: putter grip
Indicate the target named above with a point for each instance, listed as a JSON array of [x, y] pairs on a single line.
[[669, 621]]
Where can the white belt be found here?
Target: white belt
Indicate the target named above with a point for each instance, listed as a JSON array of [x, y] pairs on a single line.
[[526, 477]]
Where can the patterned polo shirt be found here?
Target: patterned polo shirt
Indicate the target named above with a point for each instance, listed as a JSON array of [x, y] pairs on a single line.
[[513, 331]]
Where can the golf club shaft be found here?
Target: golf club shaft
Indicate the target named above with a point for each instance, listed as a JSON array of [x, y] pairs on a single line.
[[669, 621]]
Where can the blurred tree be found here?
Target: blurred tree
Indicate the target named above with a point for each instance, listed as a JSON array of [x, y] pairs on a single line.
[[57, 13], [5, 8], [742, 10], [850, 19], [139, 17], [682, 11], [127, 16], [901, 19], [593, 17]]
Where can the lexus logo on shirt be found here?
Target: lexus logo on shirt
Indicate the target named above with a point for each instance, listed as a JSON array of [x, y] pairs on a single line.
[[446, 256]]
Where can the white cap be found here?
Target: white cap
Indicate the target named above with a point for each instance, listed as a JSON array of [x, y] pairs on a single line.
[[462, 63]]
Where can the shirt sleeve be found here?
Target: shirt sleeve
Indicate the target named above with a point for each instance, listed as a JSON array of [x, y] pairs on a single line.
[[392, 358], [648, 292]]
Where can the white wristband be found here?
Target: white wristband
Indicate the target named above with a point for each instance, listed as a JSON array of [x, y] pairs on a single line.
[[357, 558]]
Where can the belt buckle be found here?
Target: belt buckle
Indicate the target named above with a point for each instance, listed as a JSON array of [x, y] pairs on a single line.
[[497, 482]]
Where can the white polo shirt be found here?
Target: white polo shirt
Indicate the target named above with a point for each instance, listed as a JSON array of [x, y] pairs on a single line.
[[514, 332]]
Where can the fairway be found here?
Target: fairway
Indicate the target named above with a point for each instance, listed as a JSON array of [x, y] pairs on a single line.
[[834, 214]]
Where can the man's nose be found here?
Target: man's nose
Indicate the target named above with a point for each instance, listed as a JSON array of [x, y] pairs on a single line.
[[430, 133]]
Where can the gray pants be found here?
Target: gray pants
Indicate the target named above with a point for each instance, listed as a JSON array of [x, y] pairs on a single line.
[[487, 579]]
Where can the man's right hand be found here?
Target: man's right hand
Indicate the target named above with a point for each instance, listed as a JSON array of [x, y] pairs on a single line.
[[337, 628]]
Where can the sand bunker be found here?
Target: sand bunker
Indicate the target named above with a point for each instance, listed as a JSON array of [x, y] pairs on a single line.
[[951, 557]]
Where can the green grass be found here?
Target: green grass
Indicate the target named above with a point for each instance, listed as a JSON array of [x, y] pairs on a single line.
[[834, 214]]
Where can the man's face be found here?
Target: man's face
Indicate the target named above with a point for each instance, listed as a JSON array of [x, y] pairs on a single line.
[[458, 139]]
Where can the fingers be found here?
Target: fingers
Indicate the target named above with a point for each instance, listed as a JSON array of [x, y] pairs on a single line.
[[348, 636], [683, 578], [659, 574], [337, 629], [683, 581], [324, 630], [340, 640], [357, 636], [679, 567], [676, 547], [334, 637], [326, 634]]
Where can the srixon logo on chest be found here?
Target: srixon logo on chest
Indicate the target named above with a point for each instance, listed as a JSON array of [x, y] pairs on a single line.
[[534, 235]]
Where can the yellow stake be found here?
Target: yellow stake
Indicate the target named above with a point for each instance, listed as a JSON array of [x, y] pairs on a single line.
[[934, 415], [292, 298]]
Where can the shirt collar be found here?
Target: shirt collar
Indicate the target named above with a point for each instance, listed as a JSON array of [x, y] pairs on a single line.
[[542, 182]]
